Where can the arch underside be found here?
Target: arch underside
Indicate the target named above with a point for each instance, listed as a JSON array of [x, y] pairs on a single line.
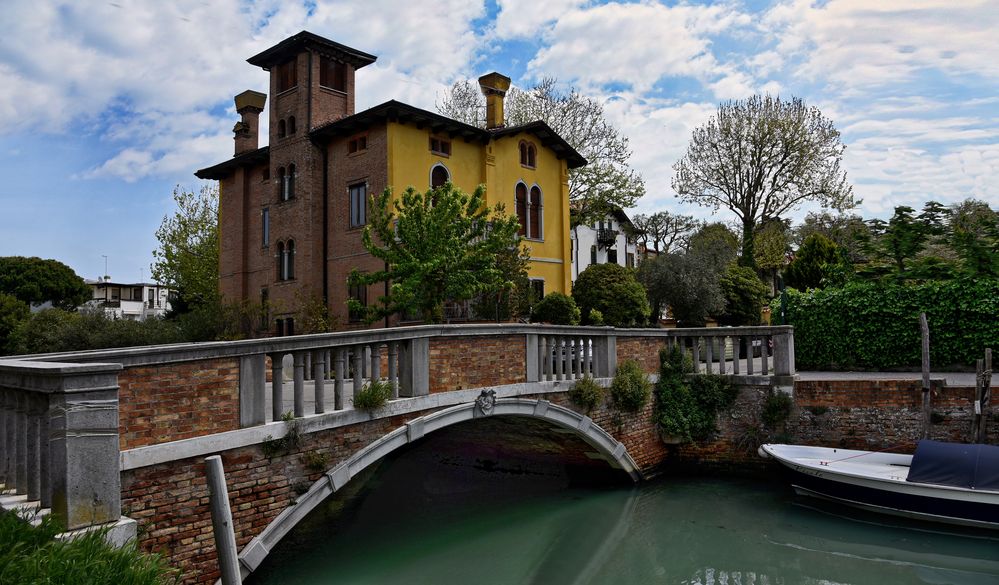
[[336, 478]]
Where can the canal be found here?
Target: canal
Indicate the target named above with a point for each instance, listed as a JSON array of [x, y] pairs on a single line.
[[439, 514]]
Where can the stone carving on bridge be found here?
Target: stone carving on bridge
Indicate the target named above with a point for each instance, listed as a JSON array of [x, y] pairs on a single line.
[[485, 402]]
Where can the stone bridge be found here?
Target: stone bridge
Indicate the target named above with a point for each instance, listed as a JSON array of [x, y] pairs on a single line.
[[119, 437]]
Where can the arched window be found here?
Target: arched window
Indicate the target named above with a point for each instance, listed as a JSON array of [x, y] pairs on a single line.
[[528, 154], [522, 208], [523, 153], [291, 124], [534, 214], [282, 183], [281, 129], [531, 156], [289, 260], [439, 176], [290, 183], [280, 260]]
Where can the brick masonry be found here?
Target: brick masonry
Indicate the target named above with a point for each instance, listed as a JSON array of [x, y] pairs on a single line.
[[458, 363], [644, 350], [163, 403]]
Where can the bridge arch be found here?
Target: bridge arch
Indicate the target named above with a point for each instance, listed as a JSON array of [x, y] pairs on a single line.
[[485, 406]]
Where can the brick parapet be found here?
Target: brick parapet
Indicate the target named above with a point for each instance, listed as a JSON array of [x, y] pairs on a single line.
[[458, 363]]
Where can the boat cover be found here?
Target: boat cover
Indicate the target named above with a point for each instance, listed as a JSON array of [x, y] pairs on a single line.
[[956, 464]]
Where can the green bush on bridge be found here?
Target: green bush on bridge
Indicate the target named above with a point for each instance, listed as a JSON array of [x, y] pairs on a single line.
[[876, 325]]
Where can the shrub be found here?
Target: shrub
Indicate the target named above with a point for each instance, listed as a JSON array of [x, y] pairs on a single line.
[[687, 405], [744, 295], [586, 393], [373, 395], [631, 388], [54, 330], [556, 308], [776, 410], [31, 555], [613, 290], [596, 317], [12, 312]]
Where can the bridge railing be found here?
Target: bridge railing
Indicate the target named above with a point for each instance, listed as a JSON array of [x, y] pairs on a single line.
[[59, 440]]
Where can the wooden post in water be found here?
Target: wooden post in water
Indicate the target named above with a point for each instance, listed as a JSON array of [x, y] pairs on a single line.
[[925, 328], [983, 395]]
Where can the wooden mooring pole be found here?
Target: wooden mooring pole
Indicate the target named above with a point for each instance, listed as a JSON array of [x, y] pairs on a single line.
[[927, 418], [983, 398], [225, 537]]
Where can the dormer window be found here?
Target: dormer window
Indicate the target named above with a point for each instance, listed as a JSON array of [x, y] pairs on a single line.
[[440, 146], [332, 74], [528, 155], [357, 143], [287, 75]]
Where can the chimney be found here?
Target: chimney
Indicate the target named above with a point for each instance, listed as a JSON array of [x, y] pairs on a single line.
[[494, 87], [249, 104]]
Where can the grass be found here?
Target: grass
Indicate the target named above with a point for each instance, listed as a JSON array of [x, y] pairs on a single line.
[[30, 555]]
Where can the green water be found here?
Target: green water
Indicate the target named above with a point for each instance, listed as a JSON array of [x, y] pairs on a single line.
[[420, 522]]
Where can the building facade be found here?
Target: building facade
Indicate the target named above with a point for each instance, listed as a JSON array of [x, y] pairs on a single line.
[[135, 301], [609, 240], [291, 213]]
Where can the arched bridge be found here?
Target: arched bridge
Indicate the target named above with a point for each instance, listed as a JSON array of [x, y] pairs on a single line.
[[120, 436]]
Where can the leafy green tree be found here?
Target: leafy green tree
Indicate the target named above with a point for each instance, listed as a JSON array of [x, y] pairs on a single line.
[[847, 231], [187, 259], [437, 246], [556, 308], [745, 295], [974, 236], [510, 295], [606, 181], [813, 262], [771, 248], [904, 237], [715, 245], [761, 158], [688, 283], [36, 281], [12, 312], [613, 290]]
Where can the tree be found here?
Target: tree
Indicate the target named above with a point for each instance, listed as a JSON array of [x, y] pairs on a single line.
[[771, 248], [437, 246], [761, 158], [904, 237], [663, 229], [36, 281], [686, 282], [12, 312], [556, 308], [974, 235], [606, 182], [813, 263], [613, 290], [510, 295], [188, 257], [846, 231], [744, 294], [715, 246]]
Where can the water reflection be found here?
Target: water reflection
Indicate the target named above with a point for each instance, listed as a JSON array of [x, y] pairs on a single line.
[[416, 522]]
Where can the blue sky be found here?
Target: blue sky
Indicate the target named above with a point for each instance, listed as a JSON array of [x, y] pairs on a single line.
[[106, 106]]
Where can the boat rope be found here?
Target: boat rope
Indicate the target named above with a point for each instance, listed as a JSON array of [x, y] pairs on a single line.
[[891, 448]]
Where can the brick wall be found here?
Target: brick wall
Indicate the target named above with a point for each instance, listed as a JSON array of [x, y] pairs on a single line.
[[169, 402], [644, 350], [472, 362]]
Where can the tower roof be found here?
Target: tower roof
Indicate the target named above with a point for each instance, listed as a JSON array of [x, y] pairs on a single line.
[[294, 45]]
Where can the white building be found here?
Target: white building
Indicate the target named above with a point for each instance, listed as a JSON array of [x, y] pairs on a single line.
[[135, 301], [603, 242]]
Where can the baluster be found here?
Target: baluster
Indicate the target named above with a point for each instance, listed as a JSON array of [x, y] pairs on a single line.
[[299, 384], [358, 364], [541, 358], [710, 355], [329, 364], [736, 351], [558, 357], [696, 345], [319, 379], [579, 356], [277, 386], [45, 486], [21, 447], [376, 361], [366, 355], [570, 355], [587, 355], [308, 365], [722, 368], [33, 454], [749, 355], [340, 357], [549, 371], [3, 437], [11, 429], [393, 369], [764, 361]]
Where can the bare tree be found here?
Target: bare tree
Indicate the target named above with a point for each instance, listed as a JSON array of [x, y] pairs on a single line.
[[663, 230], [762, 157], [606, 182]]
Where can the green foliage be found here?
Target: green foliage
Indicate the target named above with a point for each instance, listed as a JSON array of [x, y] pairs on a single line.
[[510, 297], [556, 308], [187, 259], [290, 442], [745, 295], [12, 312], [876, 325], [36, 281], [631, 388], [715, 246], [373, 395], [974, 235], [776, 410], [316, 461], [586, 393], [847, 231], [814, 262], [613, 290], [30, 555], [439, 245], [55, 330], [686, 283], [596, 317], [687, 404]]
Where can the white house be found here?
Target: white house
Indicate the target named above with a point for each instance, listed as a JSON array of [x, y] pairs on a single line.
[[135, 301], [608, 240]]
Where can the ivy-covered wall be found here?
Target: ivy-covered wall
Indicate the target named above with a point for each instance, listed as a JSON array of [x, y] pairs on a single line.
[[876, 325]]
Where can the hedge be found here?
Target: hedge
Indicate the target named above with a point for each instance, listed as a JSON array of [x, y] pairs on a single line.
[[876, 325]]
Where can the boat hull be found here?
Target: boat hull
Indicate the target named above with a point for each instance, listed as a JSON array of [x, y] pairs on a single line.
[[893, 496]]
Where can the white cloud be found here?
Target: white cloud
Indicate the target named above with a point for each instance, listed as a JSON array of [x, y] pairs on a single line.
[[525, 18]]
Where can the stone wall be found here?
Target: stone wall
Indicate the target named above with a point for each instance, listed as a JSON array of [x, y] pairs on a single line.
[[168, 402], [458, 363], [644, 350]]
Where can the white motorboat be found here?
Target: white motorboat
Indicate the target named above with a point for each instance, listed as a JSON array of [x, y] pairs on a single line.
[[941, 482]]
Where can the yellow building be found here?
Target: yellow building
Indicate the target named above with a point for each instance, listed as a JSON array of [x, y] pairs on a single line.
[[292, 212]]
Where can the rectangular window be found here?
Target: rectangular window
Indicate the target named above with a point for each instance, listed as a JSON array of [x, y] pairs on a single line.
[[357, 144], [593, 254], [612, 256], [360, 294], [265, 227], [287, 75], [332, 74], [538, 289], [440, 146], [289, 326], [358, 204]]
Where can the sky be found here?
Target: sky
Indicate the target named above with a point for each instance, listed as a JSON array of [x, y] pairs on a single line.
[[106, 107]]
